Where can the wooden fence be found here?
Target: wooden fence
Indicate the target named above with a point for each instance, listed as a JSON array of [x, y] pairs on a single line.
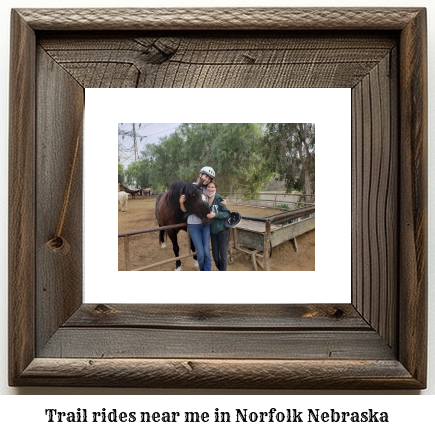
[[128, 235]]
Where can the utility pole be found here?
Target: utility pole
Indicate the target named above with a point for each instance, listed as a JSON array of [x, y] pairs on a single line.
[[136, 154], [128, 151]]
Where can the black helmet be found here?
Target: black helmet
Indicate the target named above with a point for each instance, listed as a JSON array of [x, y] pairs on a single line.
[[233, 220]]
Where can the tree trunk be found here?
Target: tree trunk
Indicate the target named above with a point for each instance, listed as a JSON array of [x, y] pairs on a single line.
[[304, 157]]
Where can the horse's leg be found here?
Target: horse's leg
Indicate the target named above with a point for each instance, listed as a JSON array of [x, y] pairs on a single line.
[[162, 239], [173, 236]]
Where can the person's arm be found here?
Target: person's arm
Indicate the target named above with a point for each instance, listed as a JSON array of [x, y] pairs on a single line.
[[211, 215], [182, 200], [223, 211]]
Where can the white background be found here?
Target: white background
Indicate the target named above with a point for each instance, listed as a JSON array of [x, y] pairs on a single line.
[[410, 412], [329, 109]]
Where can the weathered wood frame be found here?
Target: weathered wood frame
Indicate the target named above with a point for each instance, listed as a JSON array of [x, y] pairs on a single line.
[[377, 341]]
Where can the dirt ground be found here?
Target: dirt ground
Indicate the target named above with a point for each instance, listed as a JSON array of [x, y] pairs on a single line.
[[145, 248]]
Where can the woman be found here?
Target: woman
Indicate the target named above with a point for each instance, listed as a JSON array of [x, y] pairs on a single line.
[[220, 234], [200, 233]]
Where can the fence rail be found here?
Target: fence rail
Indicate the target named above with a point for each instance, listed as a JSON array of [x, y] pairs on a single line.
[[276, 200], [248, 199], [128, 235]]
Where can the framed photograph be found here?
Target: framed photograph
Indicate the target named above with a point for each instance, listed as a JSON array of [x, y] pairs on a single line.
[[377, 341], [321, 263]]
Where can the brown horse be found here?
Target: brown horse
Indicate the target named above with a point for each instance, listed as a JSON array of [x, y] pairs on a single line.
[[168, 212], [127, 190]]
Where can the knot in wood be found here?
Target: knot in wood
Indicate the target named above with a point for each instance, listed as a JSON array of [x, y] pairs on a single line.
[[58, 244], [338, 313], [249, 58], [103, 309]]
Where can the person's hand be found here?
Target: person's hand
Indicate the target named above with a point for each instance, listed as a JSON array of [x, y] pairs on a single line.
[[182, 200], [212, 215], [224, 202]]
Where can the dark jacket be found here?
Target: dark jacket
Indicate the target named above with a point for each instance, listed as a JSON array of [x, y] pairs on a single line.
[[222, 213]]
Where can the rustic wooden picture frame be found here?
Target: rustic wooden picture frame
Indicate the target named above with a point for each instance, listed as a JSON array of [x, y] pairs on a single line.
[[377, 341]]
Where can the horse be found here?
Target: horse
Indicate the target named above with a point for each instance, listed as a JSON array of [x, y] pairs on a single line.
[[168, 212], [122, 201], [132, 192], [145, 191]]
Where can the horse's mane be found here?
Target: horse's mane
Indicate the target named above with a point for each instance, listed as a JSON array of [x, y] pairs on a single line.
[[178, 188]]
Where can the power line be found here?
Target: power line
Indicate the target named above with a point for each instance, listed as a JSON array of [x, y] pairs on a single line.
[[129, 152], [170, 129]]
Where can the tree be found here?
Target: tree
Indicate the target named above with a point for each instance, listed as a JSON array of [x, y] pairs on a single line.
[[290, 152], [165, 160], [138, 174], [239, 159], [120, 173], [233, 150]]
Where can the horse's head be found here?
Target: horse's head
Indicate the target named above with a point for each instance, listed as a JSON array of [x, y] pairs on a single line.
[[196, 201]]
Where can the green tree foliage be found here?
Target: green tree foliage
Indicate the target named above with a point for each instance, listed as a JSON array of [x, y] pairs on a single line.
[[238, 158], [233, 150], [165, 160], [243, 156], [138, 174], [289, 150]]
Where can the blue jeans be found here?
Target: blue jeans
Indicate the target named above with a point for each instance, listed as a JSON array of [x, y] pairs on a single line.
[[200, 235]]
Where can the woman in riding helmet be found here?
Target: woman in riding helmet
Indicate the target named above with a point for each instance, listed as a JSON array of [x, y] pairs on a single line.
[[200, 233]]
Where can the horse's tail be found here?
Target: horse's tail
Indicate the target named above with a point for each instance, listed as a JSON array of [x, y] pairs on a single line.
[[159, 221]]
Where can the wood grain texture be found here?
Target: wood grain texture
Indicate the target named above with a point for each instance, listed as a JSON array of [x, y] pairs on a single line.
[[220, 18], [59, 277], [413, 187], [22, 123], [375, 198], [94, 342], [250, 317], [377, 342], [236, 60], [228, 374]]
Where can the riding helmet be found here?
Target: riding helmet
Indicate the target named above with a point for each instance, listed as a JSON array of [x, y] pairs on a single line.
[[208, 171], [233, 220]]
